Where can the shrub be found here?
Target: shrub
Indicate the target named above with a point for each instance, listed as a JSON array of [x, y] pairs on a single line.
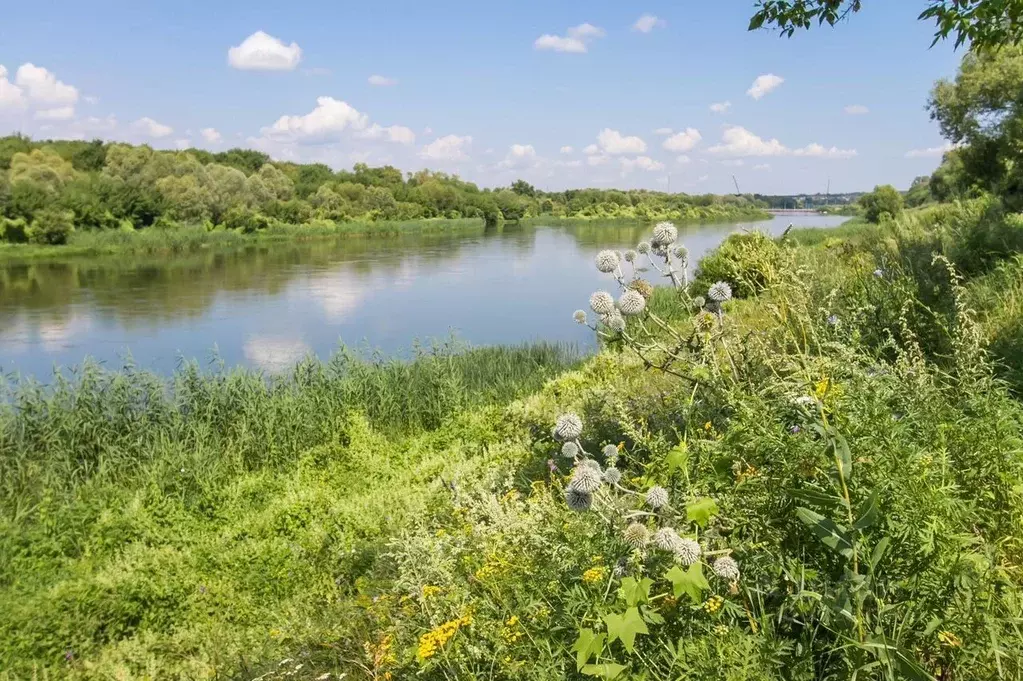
[[885, 199], [52, 226], [748, 260], [13, 231]]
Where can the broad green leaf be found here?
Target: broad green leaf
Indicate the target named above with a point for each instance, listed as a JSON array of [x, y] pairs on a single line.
[[838, 449], [817, 498], [828, 531], [691, 581], [867, 512], [701, 511], [586, 646], [651, 616], [606, 670], [625, 628], [878, 552], [635, 591], [677, 457]]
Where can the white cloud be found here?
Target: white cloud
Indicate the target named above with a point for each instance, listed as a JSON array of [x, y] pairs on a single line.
[[519, 156], [720, 107], [930, 152], [597, 159], [856, 110], [762, 166], [42, 86], [571, 164], [182, 143], [764, 84], [613, 142], [382, 81], [394, 133], [330, 118], [576, 41], [682, 160], [263, 52], [702, 178], [151, 128], [447, 148], [663, 131], [211, 135], [62, 113], [820, 151], [738, 141], [566, 149], [591, 149], [90, 99], [647, 23], [11, 96], [735, 163], [683, 141], [640, 163], [275, 354]]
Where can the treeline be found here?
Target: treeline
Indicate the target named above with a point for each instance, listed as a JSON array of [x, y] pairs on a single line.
[[48, 189]]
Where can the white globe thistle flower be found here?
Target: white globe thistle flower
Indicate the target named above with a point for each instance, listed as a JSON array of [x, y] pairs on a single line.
[[726, 568], [602, 303], [586, 479], [569, 450], [631, 303], [699, 302], [568, 426], [636, 535], [578, 501], [665, 234], [616, 323], [643, 247], [631, 255], [680, 252], [612, 475], [657, 497], [609, 451], [667, 539], [591, 463], [579, 316], [687, 551], [720, 292], [607, 261]]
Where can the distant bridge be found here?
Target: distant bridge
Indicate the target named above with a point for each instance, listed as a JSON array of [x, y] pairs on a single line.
[[796, 211]]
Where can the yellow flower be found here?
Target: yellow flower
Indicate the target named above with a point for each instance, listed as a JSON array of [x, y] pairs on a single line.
[[949, 639], [594, 575], [707, 426], [510, 632], [430, 590], [434, 640], [713, 604], [721, 629], [511, 495]]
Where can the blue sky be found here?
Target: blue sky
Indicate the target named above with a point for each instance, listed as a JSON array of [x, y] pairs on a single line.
[[491, 91]]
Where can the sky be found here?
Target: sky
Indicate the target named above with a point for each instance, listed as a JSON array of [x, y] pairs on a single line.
[[671, 95]]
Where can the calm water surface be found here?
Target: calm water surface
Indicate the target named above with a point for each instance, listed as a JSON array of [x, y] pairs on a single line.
[[267, 306]]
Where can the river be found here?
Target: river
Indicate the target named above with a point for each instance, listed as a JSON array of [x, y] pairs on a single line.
[[268, 305]]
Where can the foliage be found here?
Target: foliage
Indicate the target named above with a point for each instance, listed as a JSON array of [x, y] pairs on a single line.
[[884, 201], [749, 261], [51, 226]]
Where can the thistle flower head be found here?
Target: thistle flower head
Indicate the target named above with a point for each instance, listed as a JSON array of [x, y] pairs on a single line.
[[586, 479], [615, 322], [699, 302], [631, 303], [607, 261], [569, 450], [665, 233], [680, 252], [643, 247], [667, 539], [579, 316], [631, 255], [642, 286], [657, 497], [726, 568], [609, 451], [636, 535], [568, 426], [687, 551], [612, 475], [602, 303], [578, 501], [704, 321], [591, 463], [719, 292]]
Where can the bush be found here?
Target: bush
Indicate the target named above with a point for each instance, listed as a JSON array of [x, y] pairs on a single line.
[[13, 231], [883, 200], [52, 226], [747, 260], [245, 220]]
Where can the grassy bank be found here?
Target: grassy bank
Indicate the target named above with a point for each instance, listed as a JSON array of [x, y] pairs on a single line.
[[842, 430]]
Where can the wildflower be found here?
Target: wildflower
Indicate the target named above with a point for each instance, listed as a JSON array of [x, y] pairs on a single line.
[[578, 501], [680, 252], [643, 247], [430, 590], [585, 480], [721, 630], [699, 302], [949, 639], [805, 401], [657, 497], [631, 255], [666, 539], [569, 450], [795, 429], [579, 316], [687, 551], [726, 568], [612, 475], [568, 426], [879, 273], [631, 303], [621, 567], [636, 535], [609, 451], [434, 640], [607, 261], [713, 604], [591, 463], [602, 303], [665, 234], [704, 321], [642, 287], [615, 322], [833, 320], [720, 292], [594, 575]]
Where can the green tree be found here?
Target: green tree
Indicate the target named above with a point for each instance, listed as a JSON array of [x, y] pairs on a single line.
[[919, 192], [43, 168], [52, 226], [523, 188], [884, 199]]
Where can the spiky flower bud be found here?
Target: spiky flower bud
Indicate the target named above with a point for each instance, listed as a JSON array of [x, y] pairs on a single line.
[[615, 323], [607, 261], [665, 233], [657, 497], [579, 316], [680, 252], [643, 287], [609, 451], [591, 463], [636, 535], [643, 247], [586, 479], [569, 450], [726, 568], [578, 501], [699, 302], [602, 303], [720, 292], [631, 303], [704, 321], [631, 255], [568, 426], [612, 475], [667, 539], [687, 551]]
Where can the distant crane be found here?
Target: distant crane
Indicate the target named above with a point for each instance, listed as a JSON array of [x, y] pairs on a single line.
[[737, 192]]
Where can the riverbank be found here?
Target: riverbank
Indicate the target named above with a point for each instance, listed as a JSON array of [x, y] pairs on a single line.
[[359, 522]]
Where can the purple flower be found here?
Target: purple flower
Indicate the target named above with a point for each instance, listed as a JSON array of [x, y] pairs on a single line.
[[551, 466], [833, 320], [795, 430]]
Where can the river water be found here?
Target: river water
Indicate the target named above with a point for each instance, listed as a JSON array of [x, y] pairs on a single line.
[[268, 305]]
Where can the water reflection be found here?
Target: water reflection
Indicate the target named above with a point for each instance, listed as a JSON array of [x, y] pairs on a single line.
[[268, 305]]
